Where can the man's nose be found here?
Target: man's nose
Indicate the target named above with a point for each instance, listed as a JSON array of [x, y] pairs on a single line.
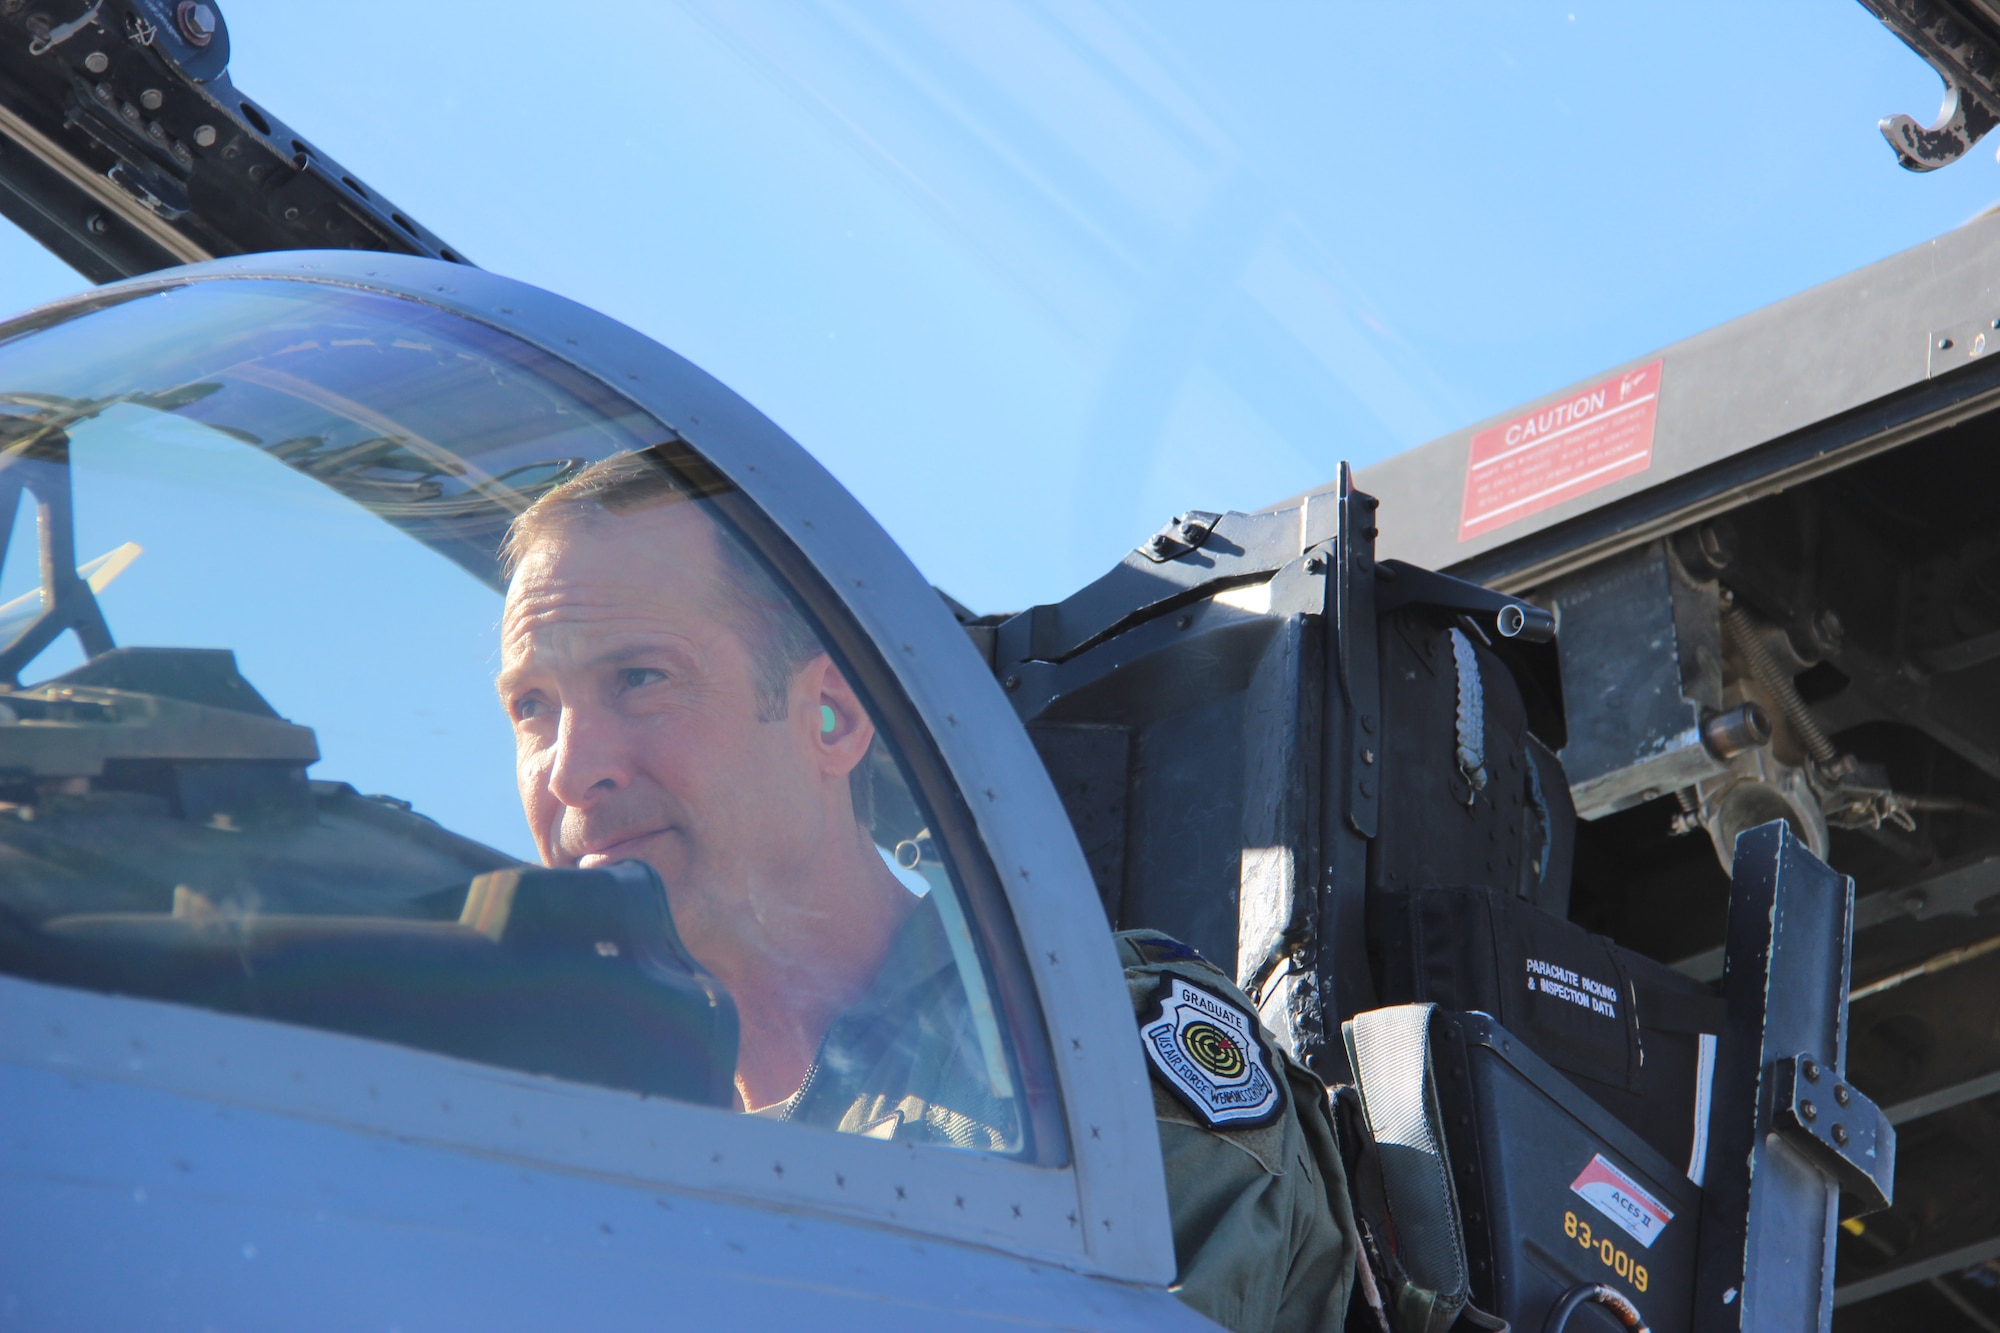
[[590, 761]]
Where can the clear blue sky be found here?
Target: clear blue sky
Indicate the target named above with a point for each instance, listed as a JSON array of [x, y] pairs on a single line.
[[1031, 277]]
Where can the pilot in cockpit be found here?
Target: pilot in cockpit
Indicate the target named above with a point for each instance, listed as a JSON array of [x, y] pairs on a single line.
[[671, 704]]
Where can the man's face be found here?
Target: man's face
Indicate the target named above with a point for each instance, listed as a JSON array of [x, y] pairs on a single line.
[[636, 725]]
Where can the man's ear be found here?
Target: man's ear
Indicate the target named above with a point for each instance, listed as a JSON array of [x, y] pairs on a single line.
[[829, 708]]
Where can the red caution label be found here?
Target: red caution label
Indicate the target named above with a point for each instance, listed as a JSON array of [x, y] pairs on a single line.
[[1541, 458]]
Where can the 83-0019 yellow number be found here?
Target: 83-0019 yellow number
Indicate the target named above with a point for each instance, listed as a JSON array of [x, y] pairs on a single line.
[[1607, 1254]]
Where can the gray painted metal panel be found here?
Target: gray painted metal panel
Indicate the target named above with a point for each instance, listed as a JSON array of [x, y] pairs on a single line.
[[1754, 380], [149, 1180]]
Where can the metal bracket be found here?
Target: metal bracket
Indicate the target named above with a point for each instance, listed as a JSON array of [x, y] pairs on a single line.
[[1837, 1126], [1960, 344], [1356, 612], [39, 466], [1957, 41], [1775, 1168], [1180, 535]]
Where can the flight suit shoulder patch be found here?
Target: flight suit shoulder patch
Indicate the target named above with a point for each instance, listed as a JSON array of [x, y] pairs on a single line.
[[1207, 1051]]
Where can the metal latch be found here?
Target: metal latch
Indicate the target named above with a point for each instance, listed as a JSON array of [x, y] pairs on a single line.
[[1837, 1127]]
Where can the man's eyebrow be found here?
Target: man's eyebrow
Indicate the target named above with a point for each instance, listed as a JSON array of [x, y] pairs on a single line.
[[633, 652], [510, 677], [507, 680]]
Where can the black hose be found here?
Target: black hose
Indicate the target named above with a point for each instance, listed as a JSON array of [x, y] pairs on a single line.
[[1625, 1312]]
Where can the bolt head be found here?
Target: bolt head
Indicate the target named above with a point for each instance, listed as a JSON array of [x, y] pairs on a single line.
[[204, 136], [1840, 1135], [97, 62], [197, 22], [1840, 1093], [1944, 344], [1808, 1110], [1011, 683], [1810, 1068]]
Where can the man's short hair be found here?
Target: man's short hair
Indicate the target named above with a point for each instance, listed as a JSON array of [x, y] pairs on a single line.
[[779, 637]]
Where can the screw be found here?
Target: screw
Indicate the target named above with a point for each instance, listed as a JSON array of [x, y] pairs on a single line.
[[97, 62], [1810, 1068], [291, 215], [96, 225], [1808, 1110], [1840, 1135], [152, 99], [1011, 683], [1840, 1093], [1314, 564], [1182, 622], [204, 136], [197, 22]]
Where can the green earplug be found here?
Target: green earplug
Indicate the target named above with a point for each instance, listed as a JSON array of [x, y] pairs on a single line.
[[828, 719]]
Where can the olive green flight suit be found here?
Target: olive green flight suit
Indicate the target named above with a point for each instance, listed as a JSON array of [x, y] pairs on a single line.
[[1263, 1233]]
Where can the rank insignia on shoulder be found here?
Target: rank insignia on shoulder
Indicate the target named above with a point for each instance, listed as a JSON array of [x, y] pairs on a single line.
[[1209, 1054], [1166, 949]]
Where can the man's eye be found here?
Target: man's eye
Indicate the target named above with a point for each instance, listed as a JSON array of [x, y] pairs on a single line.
[[634, 677], [527, 708]]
